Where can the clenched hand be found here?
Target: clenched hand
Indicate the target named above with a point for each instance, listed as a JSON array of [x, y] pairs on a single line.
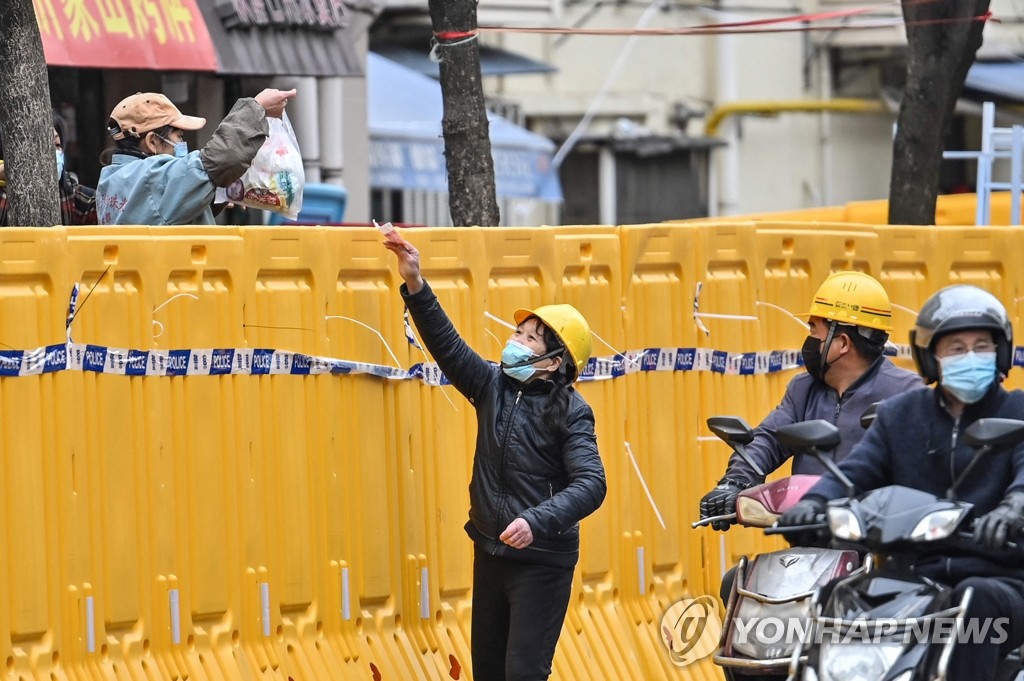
[[274, 101], [518, 534]]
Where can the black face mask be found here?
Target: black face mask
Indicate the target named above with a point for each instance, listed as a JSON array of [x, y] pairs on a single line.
[[811, 352]]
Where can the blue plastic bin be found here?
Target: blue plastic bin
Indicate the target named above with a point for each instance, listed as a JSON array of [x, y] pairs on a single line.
[[322, 204]]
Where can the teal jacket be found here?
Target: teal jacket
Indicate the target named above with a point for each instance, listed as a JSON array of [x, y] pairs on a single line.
[[167, 190]]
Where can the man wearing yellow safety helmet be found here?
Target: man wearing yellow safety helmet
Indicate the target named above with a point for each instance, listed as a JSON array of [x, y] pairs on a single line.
[[536, 472], [963, 342], [849, 320]]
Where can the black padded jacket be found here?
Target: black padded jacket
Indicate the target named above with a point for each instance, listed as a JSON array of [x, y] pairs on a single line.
[[521, 469]]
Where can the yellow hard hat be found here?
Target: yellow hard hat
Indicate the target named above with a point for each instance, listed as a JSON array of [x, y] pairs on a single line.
[[571, 328], [853, 298]]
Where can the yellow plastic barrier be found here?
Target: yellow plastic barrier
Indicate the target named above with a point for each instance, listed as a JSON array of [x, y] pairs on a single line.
[[950, 210], [254, 522]]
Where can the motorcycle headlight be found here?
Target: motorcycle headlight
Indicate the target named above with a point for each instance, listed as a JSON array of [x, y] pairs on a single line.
[[753, 513], [843, 524], [858, 661], [937, 525], [773, 629]]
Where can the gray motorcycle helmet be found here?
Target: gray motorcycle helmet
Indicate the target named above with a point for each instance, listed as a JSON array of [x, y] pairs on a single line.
[[956, 308]]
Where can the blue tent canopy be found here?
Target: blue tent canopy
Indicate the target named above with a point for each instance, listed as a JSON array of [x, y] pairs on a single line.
[[1002, 79], [407, 146]]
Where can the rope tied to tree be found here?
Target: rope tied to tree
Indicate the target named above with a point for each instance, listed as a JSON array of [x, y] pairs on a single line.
[[446, 39]]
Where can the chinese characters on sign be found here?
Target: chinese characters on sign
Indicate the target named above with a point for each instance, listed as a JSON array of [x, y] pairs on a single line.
[[143, 34], [326, 15]]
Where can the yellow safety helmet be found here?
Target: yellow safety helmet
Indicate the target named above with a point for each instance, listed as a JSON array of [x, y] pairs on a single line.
[[853, 298], [571, 328]]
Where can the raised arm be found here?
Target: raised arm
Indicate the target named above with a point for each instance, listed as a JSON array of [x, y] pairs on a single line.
[[467, 371]]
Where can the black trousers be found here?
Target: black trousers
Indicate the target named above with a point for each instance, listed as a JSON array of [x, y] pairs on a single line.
[[518, 610], [994, 597]]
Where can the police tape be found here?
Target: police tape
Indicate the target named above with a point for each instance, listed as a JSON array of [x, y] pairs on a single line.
[[100, 359]]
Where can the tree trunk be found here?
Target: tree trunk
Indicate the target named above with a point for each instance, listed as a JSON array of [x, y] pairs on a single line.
[[942, 43], [26, 124], [467, 146]]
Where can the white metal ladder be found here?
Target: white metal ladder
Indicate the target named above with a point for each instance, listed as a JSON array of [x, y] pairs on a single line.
[[996, 143]]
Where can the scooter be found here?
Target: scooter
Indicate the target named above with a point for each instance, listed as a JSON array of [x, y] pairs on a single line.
[[888, 624], [772, 585]]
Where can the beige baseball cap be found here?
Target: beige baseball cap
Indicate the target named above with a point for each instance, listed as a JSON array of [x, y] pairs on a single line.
[[145, 111]]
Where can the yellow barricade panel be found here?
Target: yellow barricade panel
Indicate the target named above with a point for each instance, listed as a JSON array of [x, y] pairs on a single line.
[[363, 429], [729, 278], [204, 485], [34, 293], [921, 260], [586, 267], [119, 276], [440, 445], [659, 314], [660, 564]]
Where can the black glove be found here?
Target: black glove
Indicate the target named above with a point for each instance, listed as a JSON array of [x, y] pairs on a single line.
[[1002, 523], [807, 511], [722, 501]]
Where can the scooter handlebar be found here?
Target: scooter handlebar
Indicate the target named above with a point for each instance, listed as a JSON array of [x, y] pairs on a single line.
[[969, 536], [776, 529], [731, 517]]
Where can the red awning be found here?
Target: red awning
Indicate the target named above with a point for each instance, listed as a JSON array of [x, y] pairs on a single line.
[[125, 34]]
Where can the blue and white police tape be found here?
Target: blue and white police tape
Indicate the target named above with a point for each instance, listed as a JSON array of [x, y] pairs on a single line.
[[273, 362]]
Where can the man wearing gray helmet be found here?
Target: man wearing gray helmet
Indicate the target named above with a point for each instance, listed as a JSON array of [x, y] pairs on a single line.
[[963, 340]]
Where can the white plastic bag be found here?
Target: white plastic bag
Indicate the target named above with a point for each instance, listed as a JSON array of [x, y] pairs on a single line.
[[275, 179]]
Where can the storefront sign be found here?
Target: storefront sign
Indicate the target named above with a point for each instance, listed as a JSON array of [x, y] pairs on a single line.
[[323, 15], [130, 34], [420, 165]]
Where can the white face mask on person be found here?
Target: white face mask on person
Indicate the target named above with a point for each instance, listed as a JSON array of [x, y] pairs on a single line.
[[516, 353], [60, 163], [968, 376]]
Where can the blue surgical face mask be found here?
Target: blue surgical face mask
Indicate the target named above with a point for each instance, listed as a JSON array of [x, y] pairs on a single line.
[[60, 163], [968, 377], [180, 148], [515, 353]]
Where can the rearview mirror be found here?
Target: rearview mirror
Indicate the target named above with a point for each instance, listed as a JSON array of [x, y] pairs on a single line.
[[983, 436], [994, 432], [731, 429], [818, 433], [868, 417], [815, 437]]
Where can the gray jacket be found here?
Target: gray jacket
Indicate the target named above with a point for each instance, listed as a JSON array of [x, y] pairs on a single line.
[[807, 399]]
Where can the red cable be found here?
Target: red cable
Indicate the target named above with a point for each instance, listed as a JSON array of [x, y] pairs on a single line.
[[751, 26], [454, 35], [748, 30]]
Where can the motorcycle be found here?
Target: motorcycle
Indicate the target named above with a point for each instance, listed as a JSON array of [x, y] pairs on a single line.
[[779, 584], [877, 625]]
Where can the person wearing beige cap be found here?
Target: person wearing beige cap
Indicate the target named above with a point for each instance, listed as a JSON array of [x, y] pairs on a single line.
[[151, 178]]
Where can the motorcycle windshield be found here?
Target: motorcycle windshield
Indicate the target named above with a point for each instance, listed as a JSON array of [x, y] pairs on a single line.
[[889, 515]]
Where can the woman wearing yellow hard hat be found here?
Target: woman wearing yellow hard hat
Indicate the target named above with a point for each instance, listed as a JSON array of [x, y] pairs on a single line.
[[536, 472]]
